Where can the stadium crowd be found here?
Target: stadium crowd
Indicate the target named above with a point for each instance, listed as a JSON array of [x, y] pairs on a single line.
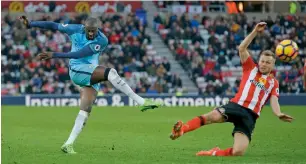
[[211, 46], [129, 51]]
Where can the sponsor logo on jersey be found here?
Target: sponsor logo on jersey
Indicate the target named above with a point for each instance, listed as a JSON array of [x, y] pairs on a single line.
[[260, 83]]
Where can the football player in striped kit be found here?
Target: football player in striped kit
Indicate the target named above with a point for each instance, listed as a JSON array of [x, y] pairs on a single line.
[[256, 88]]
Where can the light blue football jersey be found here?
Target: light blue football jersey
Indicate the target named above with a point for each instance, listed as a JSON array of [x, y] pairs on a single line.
[[77, 35]]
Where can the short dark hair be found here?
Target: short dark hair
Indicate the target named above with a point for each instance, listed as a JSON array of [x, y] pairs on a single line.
[[91, 21], [268, 53]]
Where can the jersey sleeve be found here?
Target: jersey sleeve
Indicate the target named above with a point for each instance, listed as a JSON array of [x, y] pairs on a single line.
[[70, 28], [248, 64], [275, 89], [84, 52]]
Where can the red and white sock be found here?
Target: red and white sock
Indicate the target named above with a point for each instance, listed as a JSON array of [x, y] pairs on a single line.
[[226, 152], [193, 124]]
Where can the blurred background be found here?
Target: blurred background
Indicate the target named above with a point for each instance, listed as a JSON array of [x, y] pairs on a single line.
[[179, 48]]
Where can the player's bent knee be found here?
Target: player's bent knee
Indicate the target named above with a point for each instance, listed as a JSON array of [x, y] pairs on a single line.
[[112, 75], [238, 152], [87, 108]]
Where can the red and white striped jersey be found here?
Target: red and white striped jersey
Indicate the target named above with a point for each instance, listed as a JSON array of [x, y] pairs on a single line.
[[255, 88]]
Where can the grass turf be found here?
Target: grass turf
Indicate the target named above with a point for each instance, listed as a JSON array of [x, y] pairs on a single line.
[[126, 135]]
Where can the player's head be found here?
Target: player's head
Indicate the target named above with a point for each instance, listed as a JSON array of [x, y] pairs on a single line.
[[91, 28], [266, 62]]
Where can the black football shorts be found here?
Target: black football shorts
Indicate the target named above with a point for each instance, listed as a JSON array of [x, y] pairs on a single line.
[[243, 118]]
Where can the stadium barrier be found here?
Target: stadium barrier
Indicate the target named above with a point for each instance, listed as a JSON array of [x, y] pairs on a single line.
[[69, 6], [122, 100]]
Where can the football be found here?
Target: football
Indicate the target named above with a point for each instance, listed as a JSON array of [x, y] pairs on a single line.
[[287, 50]]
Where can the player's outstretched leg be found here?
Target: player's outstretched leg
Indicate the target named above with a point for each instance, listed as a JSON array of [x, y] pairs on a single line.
[[180, 128], [88, 96], [102, 74]]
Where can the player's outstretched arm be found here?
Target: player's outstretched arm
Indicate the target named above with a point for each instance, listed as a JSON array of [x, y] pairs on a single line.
[[40, 24], [84, 52], [243, 52], [276, 110]]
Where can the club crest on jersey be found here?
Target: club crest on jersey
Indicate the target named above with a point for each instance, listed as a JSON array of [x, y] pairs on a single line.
[[97, 47], [260, 83], [262, 80]]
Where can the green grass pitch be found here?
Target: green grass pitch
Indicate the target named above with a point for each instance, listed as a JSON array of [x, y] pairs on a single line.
[[34, 135]]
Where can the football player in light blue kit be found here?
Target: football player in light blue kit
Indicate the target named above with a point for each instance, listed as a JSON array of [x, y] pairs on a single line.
[[87, 44]]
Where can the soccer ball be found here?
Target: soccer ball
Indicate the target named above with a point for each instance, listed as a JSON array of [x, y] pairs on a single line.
[[287, 50]]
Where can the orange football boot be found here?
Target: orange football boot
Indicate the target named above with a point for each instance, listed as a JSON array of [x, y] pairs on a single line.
[[210, 152], [177, 130]]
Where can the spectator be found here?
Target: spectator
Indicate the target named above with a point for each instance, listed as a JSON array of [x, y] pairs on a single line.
[[176, 81], [166, 64]]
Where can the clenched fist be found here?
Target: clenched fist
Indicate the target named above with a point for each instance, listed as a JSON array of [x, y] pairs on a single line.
[[25, 21]]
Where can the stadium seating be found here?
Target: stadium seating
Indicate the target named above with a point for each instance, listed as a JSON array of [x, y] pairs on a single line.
[[205, 47], [211, 46]]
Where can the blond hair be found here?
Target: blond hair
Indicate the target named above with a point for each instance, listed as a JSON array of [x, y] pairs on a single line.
[[268, 53]]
